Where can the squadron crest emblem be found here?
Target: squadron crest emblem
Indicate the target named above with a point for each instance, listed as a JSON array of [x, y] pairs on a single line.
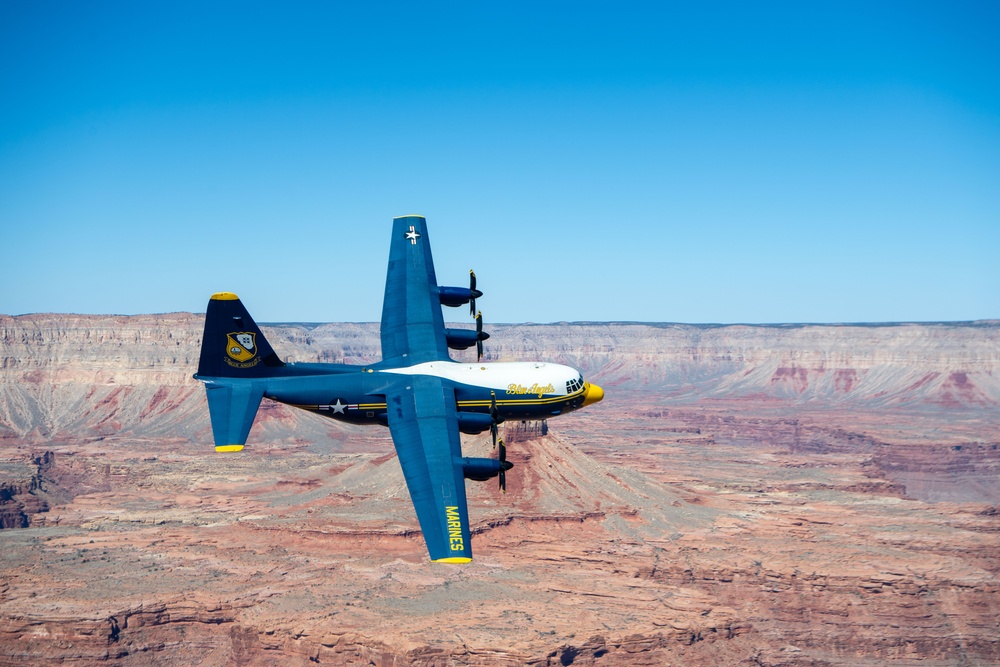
[[241, 346]]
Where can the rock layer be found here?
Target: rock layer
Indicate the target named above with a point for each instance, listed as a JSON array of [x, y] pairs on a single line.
[[800, 495], [98, 376]]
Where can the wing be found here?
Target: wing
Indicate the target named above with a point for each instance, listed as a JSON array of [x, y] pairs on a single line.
[[424, 428], [412, 323]]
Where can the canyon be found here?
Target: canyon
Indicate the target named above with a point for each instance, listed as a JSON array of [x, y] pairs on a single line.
[[744, 495]]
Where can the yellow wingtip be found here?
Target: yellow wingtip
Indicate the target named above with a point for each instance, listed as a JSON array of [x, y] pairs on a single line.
[[455, 559], [228, 448], [225, 296]]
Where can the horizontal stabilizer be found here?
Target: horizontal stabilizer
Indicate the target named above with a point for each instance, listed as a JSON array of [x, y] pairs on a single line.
[[232, 407]]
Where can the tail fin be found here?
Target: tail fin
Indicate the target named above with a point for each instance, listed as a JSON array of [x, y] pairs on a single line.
[[233, 345], [235, 357]]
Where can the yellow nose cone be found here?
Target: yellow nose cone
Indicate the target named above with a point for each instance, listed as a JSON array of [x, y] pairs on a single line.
[[591, 393]]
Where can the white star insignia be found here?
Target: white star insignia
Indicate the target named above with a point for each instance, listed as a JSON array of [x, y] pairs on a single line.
[[413, 235], [338, 407]]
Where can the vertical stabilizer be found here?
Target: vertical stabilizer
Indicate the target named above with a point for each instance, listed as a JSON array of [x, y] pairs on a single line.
[[233, 345]]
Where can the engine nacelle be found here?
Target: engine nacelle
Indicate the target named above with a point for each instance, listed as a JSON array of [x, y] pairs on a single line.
[[463, 339], [473, 423], [457, 296], [481, 470]]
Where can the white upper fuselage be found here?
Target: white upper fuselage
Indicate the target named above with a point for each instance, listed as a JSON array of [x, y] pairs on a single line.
[[517, 378]]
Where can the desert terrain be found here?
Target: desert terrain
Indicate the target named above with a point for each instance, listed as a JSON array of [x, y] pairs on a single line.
[[744, 495]]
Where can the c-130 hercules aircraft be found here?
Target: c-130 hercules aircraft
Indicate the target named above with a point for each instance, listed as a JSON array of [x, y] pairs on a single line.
[[423, 396]]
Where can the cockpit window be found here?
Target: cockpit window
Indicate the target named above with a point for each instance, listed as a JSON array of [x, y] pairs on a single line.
[[574, 385]]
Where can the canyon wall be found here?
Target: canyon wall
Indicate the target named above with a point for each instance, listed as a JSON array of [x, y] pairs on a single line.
[[745, 495], [66, 376]]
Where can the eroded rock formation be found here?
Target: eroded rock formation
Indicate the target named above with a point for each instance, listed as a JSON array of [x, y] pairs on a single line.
[[800, 495]]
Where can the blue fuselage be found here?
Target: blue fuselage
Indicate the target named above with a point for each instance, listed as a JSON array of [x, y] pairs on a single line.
[[357, 394]]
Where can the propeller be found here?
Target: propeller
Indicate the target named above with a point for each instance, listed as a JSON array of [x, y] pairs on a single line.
[[502, 454], [504, 467], [495, 418], [475, 293], [480, 336]]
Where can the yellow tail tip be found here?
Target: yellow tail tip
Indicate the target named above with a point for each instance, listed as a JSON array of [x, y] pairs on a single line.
[[456, 559], [228, 448], [225, 296]]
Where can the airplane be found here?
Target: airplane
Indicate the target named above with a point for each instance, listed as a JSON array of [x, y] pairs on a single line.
[[425, 397]]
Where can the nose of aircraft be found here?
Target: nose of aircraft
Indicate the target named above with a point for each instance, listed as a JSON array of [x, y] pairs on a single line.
[[591, 393]]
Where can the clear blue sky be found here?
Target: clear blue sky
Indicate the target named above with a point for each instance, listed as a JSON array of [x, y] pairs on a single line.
[[687, 162]]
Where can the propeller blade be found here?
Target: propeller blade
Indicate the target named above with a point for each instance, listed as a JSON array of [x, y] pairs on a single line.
[[495, 417], [479, 335], [472, 288], [504, 466]]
